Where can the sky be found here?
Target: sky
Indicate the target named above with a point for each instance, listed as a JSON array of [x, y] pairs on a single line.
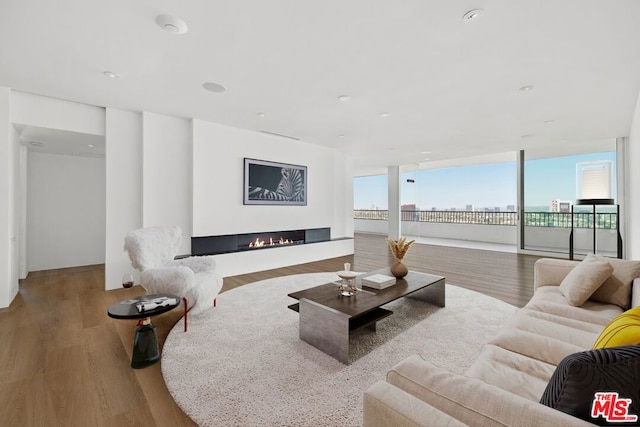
[[492, 185]]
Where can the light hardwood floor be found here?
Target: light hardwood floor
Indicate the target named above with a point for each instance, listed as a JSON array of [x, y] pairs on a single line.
[[63, 362]]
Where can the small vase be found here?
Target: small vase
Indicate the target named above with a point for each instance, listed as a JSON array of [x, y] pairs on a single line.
[[399, 270]]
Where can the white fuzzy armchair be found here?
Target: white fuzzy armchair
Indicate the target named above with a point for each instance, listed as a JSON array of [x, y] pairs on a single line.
[[152, 251]]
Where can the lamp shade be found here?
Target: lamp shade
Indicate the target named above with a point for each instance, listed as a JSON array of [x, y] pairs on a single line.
[[594, 182]]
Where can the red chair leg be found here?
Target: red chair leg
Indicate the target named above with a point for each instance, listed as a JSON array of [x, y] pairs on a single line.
[[215, 302], [186, 311]]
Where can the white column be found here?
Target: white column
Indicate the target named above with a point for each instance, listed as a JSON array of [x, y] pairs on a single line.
[[5, 205], [123, 140], [631, 237], [394, 202], [622, 181], [520, 197]]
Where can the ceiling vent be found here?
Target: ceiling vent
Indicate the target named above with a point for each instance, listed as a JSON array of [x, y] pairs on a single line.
[[280, 135]]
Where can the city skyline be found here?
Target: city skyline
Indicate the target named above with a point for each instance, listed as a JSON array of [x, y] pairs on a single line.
[[482, 186]]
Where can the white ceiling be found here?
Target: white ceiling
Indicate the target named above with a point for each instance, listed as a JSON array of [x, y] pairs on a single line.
[[451, 87]]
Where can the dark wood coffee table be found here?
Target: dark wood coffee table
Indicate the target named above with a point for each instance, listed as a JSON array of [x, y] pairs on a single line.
[[328, 318]]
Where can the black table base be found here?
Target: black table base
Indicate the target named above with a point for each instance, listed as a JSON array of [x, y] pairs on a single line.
[[146, 351]]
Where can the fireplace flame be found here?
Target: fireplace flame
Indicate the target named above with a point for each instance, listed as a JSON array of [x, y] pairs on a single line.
[[259, 243]]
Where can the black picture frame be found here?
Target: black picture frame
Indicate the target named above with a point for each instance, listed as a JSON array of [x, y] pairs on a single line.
[[274, 183]]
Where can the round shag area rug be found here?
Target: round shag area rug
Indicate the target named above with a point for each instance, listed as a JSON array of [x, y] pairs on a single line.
[[242, 363]]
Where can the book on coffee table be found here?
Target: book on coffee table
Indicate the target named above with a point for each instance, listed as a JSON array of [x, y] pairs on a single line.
[[378, 281]]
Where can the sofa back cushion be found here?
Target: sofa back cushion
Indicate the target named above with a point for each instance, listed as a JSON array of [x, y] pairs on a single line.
[[584, 280], [617, 288]]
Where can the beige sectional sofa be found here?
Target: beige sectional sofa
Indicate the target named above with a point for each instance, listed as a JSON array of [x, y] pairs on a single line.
[[504, 384]]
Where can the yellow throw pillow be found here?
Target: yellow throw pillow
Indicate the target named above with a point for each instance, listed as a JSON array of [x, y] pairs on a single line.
[[623, 330]]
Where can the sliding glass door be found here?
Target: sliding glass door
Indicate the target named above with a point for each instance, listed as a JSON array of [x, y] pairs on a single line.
[[552, 185]]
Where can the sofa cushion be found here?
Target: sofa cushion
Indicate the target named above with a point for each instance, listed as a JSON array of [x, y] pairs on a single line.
[[510, 371], [387, 405], [581, 325], [583, 280], [545, 337], [623, 330], [617, 288], [575, 382], [471, 401], [549, 299]]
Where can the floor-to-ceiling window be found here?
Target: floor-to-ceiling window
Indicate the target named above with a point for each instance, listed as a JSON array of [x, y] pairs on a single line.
[[471, 202], [552, 185], [475, 202], [370, 203]]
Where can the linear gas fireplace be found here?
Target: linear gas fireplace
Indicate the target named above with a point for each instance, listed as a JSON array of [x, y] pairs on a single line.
[[229, 243]]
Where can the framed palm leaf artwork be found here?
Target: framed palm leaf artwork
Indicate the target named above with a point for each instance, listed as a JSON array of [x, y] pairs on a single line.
[[272, 183]]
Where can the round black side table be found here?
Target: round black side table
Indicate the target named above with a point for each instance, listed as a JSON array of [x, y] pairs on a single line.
[[146, 351]]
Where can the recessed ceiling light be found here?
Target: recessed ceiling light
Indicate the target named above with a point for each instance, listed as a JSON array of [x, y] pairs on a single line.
[[91, 146], [384, 114], [214, 87], [172, 24], [425, 152], [471, 15], [526, 88], [36, 144], [344, 98], [260, 115], [549, 121], [111, 75], [528, 135], [341, 136]]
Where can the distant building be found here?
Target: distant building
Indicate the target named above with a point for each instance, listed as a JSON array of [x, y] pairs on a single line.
[[408, 212], [496, 209], [469, 208], [511, 208], [433, 209], [558, 205]]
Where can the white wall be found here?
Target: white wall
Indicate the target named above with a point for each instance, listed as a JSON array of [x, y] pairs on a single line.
[[18, 208], [632, 189], [8, 250], [553, 239], [472, 232], [46, 112], [218, 153], [149, 178], [342, 195], [123, 159], [166, 174], [65, 211]]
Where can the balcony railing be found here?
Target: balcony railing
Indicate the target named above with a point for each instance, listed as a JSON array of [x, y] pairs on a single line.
[[604, 220]]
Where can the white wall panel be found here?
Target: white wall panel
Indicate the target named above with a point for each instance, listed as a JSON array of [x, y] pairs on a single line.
[[6, 201], [218, 161], [167, 174], [632, 189], [46, 112], [65, 211], [123, 189]]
